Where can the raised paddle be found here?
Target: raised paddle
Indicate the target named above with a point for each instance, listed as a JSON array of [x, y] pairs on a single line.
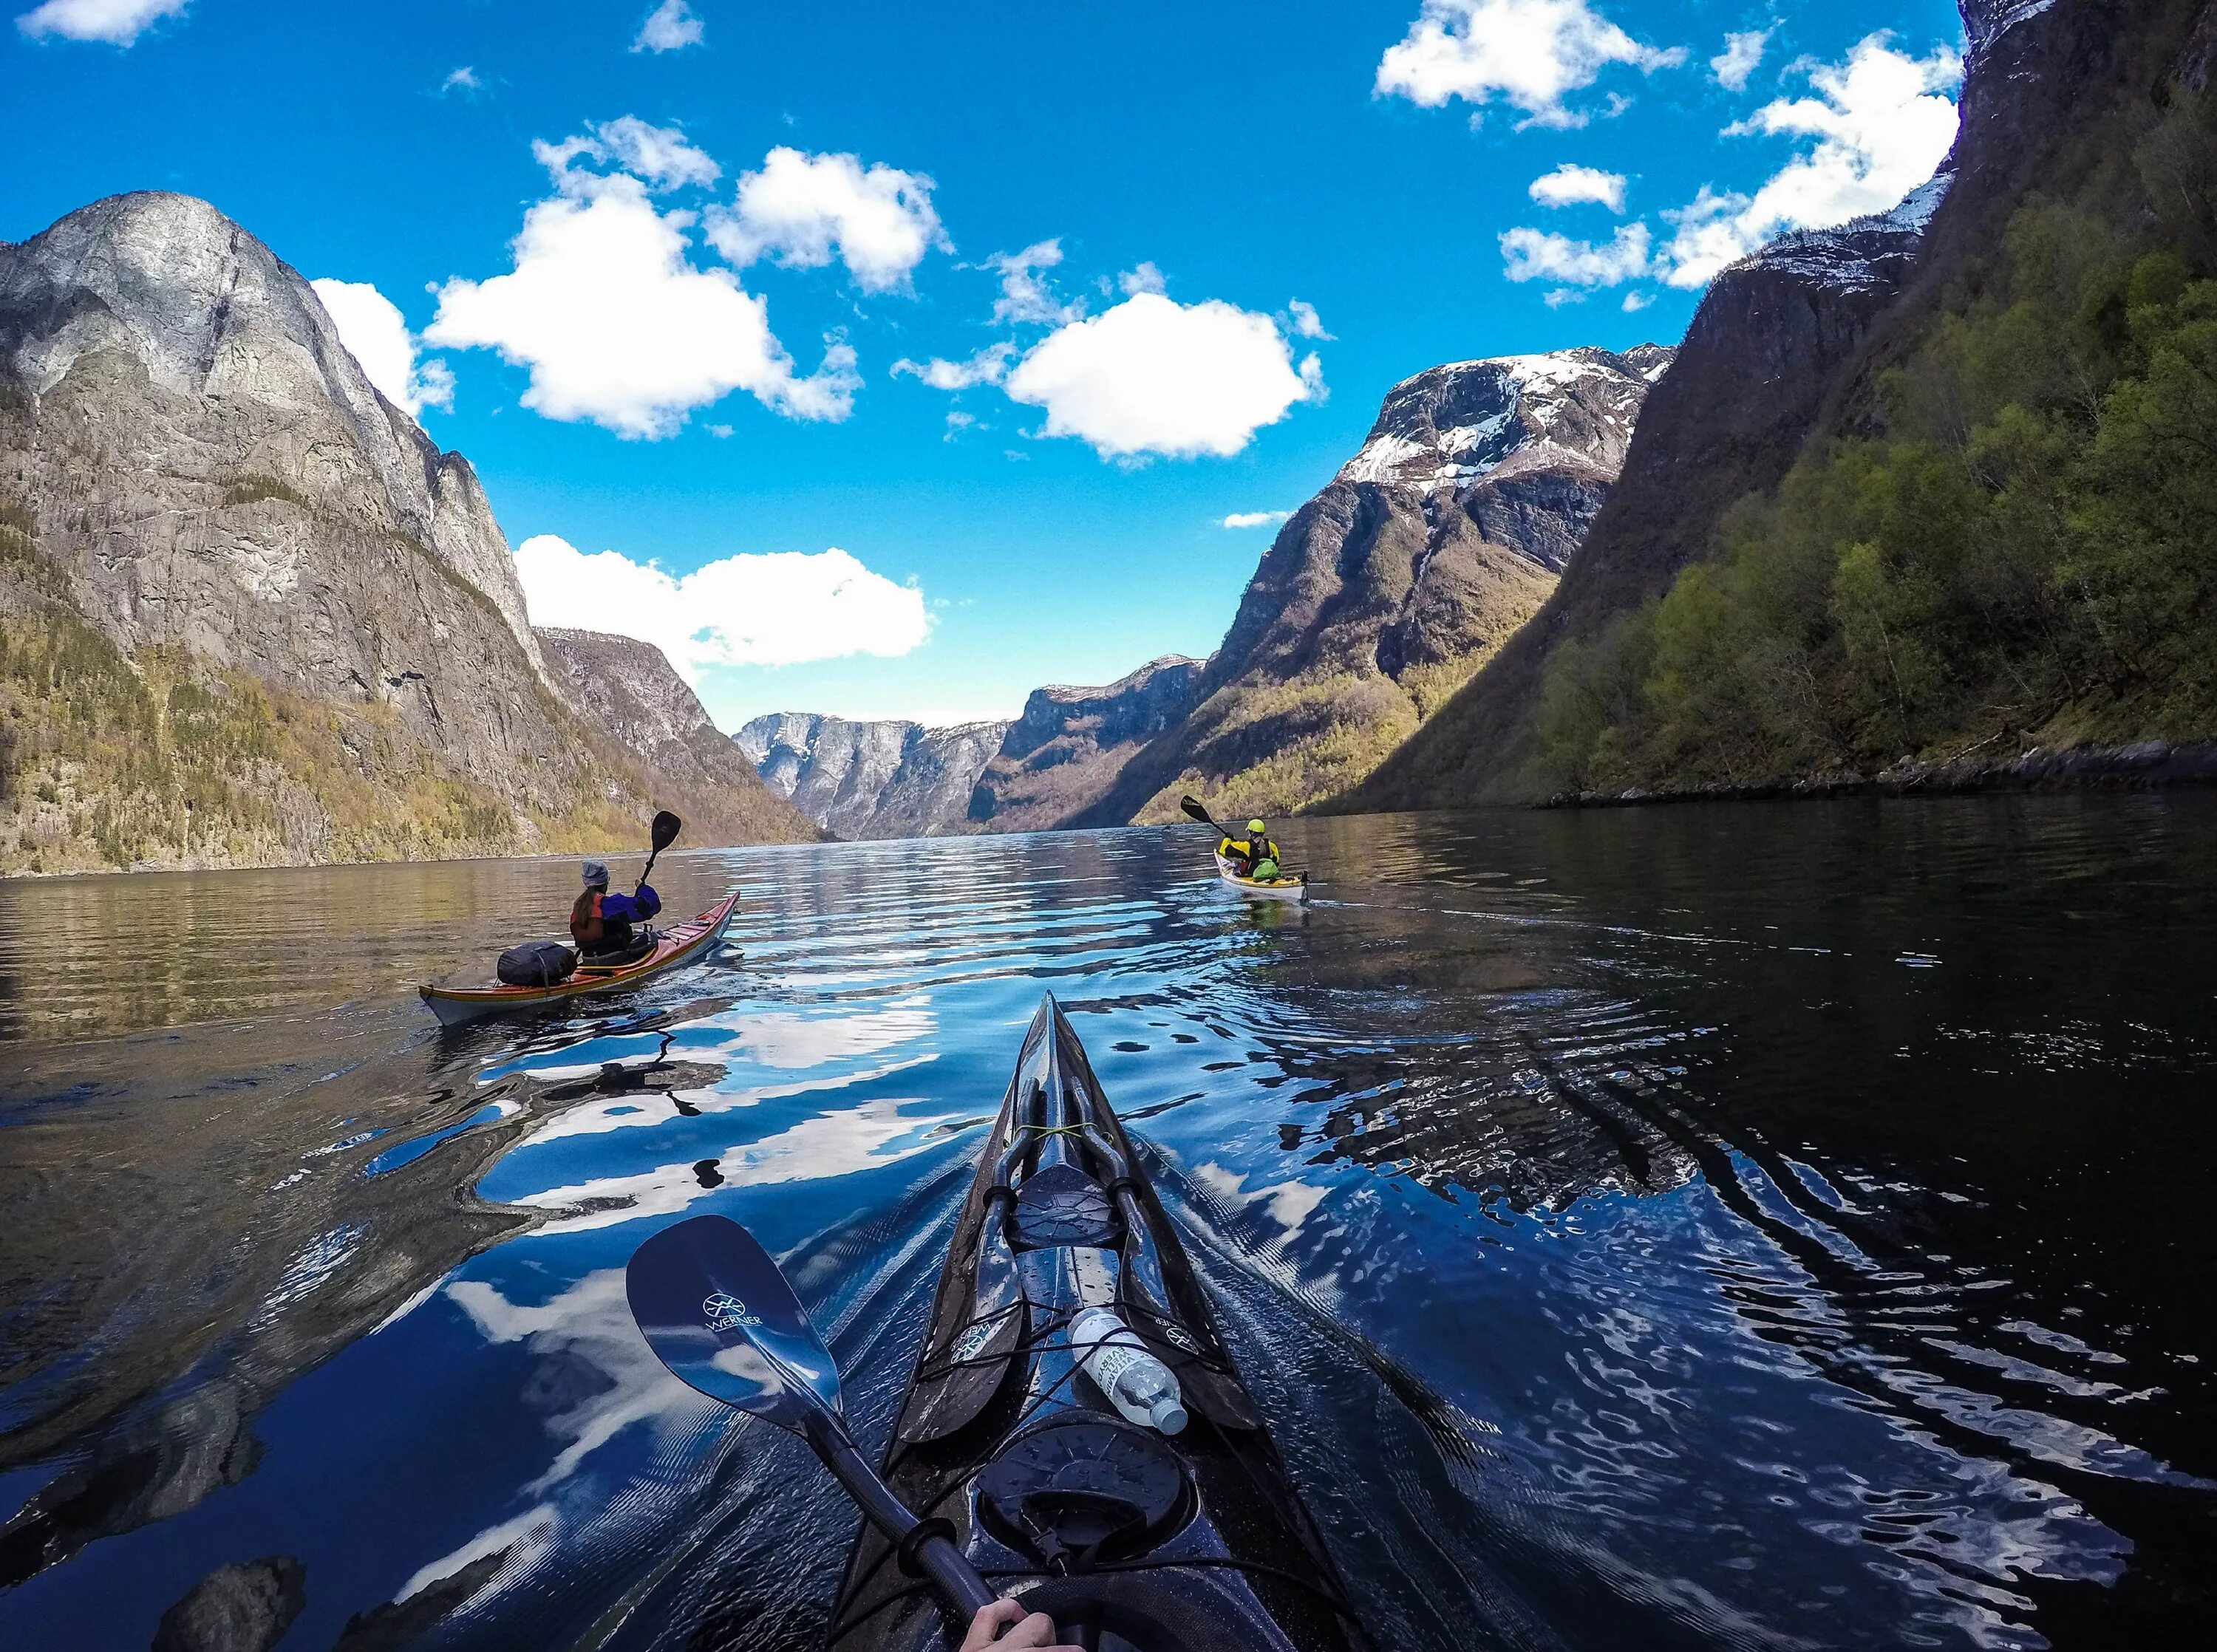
[[666, 827], [716, 1310], [1192, 806]]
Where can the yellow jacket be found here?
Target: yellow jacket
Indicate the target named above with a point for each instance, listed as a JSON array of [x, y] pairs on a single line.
[[1247, 851]]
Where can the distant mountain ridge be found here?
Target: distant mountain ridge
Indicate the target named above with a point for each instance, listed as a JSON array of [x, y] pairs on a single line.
[[249, 613], [1380, 596], [870, 780], [1428, 549], [1071, 745], [897, 779]]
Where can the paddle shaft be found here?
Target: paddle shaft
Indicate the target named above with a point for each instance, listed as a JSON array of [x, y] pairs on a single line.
[[1194, 812], [945, 1564]]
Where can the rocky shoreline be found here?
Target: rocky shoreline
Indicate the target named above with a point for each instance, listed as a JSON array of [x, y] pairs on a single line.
[[2144, 765]]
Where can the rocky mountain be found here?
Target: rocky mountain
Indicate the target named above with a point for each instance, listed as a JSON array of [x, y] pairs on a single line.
[[902, 779], [250, 613], [1071, 745], [1381, 595], [630, 690], [2087, 141], [871, 779]]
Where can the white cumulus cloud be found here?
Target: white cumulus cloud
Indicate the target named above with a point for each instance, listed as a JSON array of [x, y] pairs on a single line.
[[1880, 124], [670, 26], [1535, 255], [1026, 295], [799, 209], [373, 330], [786, 607], [1530, 54], [1255, 518], [1741, 57], [464, 80], [1571, 186], [119, 22], [615, 321], [1153, 376], [1302, 317]]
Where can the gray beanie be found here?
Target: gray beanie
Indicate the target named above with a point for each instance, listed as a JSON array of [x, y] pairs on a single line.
[[597, 875]]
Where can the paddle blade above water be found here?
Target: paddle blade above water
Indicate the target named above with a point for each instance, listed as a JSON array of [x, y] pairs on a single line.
[[717, 1311], [1192, 806], [666, 827]]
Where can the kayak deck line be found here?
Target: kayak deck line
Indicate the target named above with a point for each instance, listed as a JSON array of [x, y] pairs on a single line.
[[681, 943], [1132, 1538], [1293, 886]]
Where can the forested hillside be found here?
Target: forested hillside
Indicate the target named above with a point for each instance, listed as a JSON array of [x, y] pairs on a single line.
[[1997, 534], [2023, 550]]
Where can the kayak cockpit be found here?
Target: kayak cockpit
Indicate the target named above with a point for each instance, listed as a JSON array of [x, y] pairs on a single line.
[[1038, 1428]]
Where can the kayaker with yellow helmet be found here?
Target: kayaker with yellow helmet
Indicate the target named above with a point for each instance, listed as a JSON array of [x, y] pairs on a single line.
[[1255, 856]]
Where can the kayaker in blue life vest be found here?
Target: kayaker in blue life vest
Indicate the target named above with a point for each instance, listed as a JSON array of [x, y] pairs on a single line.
[[1255, 856], [1033, 1630], [601, 922]]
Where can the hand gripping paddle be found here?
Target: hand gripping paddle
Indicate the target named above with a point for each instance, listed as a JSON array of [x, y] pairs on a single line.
[[716, 1310]]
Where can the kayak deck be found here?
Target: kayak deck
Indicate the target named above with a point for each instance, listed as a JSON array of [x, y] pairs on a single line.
[[1131, 1539], [1294, 886], [680, 944]]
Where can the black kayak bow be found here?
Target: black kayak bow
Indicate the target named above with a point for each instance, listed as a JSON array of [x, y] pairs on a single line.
[[716, 1310]]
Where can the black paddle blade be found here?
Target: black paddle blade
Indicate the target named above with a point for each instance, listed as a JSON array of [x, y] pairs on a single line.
[[715, 1309], [1192, 806], [666, 827]]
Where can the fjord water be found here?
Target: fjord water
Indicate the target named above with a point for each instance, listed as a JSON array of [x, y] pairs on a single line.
[[1749, 1225]]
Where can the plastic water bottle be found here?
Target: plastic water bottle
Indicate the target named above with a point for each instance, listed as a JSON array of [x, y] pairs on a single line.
[[1138, 1385]]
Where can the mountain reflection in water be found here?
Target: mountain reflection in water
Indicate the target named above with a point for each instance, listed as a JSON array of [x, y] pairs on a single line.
[[1747, 1226]]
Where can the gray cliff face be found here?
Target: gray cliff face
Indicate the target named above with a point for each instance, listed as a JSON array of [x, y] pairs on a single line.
[[245, 379], [871, 779], [629, 690], [1382, 594], [1067, 748], [268, 580]]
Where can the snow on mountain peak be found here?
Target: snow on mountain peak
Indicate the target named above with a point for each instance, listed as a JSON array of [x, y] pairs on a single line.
[[1451, 426]]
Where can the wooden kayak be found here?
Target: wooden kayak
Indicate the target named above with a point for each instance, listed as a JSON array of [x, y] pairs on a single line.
[[1291, 886], [679, 944]]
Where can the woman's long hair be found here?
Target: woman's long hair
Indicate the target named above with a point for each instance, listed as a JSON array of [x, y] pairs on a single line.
[[580, 909]]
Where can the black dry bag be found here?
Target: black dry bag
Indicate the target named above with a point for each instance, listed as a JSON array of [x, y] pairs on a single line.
[[537, 964]]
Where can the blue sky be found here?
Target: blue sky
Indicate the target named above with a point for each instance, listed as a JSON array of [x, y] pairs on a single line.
[[744, 216]]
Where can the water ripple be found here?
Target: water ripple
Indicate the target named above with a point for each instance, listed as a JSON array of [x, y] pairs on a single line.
[[1749, 1227]]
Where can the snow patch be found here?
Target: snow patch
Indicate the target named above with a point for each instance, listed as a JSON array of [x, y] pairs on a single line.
[[1986, 21]]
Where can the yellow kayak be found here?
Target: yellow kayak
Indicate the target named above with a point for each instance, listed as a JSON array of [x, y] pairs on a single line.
[[1287, 886]]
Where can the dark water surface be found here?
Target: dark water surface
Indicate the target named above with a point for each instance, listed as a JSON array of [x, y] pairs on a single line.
[[1752, 1226]]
